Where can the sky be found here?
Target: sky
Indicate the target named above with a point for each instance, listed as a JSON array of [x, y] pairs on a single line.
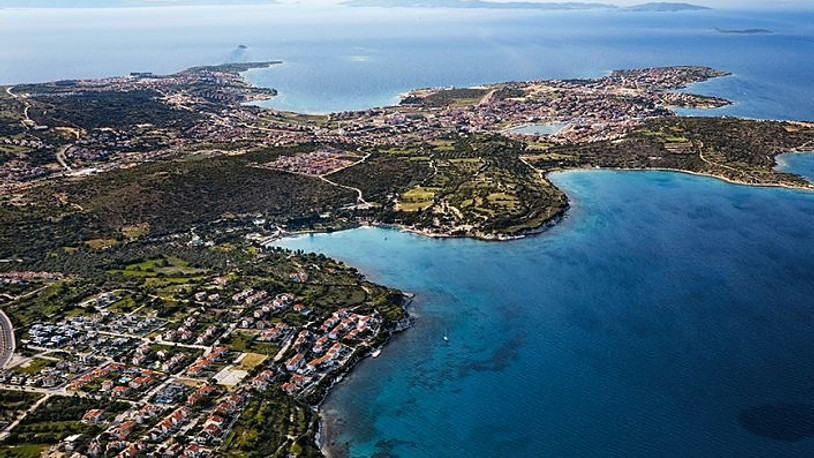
[[741, 4]]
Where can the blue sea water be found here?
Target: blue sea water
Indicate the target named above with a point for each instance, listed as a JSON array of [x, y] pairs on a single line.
[[661, 310], [352, 58], [668, 315], [770, 72], [801, 164]]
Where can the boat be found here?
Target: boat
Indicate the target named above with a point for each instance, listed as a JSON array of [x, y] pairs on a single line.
[[375, 353], [446, 338]]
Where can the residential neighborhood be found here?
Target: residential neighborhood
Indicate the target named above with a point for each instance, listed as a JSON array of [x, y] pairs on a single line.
[[178, 385]]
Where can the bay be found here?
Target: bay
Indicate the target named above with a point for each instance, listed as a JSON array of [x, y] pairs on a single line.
[[648, 323]]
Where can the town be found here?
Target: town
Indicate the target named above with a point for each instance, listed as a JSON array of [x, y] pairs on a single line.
[[210, 110], [176, 382]]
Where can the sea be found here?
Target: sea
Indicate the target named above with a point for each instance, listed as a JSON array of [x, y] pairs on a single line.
[[667, 315]]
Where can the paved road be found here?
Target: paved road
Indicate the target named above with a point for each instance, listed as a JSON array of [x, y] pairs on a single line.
[[7, 344]]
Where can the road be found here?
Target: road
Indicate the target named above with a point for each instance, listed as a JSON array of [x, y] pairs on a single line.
[[361, 203], [27, 122], [6, 340], [7, 431], [62, 157]]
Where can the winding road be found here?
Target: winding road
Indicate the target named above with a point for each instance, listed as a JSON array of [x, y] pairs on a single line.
[[361, 203], [27, 122]]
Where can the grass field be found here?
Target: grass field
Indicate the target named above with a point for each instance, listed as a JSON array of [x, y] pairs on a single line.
[[250, 361], [22, 451], [243, 341], [98, 244], [418, 198], [32, 367]]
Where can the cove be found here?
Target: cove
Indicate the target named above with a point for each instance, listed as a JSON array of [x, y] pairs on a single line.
[[660, 318]]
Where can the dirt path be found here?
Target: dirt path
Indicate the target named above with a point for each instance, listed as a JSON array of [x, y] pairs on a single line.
[[361, 203], [360, 198], [61, 157], [5, 433]]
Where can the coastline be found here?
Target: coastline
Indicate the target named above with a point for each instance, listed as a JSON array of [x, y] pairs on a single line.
[[809, 188], [550, 222], [336, 422], [538, 216], [324, 437]]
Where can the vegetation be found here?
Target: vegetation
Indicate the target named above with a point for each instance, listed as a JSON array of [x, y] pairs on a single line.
[[275, 424], [464, 185], [57, 418], [12, 403], [383, 175], [160, 197], [22, 451], [447, 97], [32, 367], [268, 425], [176, 238], [243, 341], [734, 149], [93, 110]]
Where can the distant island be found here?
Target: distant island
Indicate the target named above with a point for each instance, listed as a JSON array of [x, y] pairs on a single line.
[[743, 31], [149, 310], [553, 6], [666, 7], [476, 4]]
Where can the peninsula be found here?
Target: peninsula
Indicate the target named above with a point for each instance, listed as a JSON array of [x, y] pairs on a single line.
[[149, 309]]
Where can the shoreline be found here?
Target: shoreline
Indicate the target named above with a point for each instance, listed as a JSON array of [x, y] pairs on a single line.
[[809, 188], [329, 437], [325, 437], [548, 223]]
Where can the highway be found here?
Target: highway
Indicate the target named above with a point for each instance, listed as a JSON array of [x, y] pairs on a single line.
[[6, 340]]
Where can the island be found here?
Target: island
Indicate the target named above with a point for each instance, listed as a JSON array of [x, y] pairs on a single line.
[[744, 31], [657, 7], [146, 309]]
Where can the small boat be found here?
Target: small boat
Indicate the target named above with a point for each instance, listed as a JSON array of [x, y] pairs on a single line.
[[446, 338], [375, 353]]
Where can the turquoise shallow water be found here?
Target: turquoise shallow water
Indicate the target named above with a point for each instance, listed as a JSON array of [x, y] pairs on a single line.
[[668, 315], [802, 164]]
